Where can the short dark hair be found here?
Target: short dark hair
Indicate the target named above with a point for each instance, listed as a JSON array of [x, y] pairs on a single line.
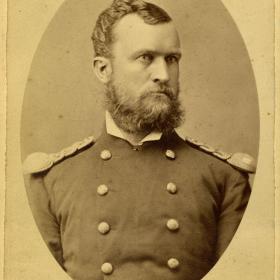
[[102, 36]]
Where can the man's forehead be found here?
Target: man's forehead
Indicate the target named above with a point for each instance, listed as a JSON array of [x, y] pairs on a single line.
[[132, 32]]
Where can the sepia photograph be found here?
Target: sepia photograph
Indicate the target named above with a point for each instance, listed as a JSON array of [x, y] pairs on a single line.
[[143, 141]]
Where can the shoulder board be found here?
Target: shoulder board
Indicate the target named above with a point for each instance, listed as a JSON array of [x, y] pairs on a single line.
[[38, 162], [241, 161]]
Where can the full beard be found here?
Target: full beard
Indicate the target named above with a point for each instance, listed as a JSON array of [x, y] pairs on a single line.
[[155, 109]]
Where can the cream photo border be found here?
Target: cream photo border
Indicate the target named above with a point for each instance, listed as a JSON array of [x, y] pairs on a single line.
[[252, 253]]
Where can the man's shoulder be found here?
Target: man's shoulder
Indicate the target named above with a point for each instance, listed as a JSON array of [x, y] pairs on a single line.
[[239, 160], [40, 163]]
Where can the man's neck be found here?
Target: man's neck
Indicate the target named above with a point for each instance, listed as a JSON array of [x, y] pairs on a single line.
[[134, 138]]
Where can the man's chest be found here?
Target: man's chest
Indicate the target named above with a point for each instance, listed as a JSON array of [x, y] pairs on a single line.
[[139, 188], [137, 205]]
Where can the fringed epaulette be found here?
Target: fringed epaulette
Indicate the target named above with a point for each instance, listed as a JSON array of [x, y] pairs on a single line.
[[241, 161], [39, 162]]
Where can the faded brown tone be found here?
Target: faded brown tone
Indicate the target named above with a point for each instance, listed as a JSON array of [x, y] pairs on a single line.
[[251, 254]]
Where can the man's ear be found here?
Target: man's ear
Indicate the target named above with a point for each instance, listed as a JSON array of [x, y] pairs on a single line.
[[102, 68]]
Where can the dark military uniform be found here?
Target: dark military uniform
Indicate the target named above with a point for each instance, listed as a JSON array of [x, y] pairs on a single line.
[[163, 210]]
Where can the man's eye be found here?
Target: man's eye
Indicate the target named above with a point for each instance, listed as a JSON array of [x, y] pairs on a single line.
[[171, 59], [146, 58]]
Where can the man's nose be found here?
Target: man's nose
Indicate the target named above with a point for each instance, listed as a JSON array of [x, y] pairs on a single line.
[[160, 71]]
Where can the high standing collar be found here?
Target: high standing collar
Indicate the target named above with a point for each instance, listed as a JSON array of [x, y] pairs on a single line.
[[114, 130]]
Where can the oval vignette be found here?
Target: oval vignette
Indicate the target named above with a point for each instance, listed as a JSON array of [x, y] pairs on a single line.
[[63, 99]]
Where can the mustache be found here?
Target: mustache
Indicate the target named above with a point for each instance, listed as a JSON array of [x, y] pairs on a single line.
[[168, 91]]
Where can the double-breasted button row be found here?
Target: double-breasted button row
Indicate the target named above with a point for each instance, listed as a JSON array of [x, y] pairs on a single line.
[[104, 227], [172, 224], [107, 268], [106, 154]]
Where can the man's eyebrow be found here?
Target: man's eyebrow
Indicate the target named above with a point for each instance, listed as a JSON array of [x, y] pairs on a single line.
[[176, 53], [154, 52]]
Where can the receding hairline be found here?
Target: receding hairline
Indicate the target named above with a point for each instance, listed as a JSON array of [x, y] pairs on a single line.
[[151, 13], [139, 20]]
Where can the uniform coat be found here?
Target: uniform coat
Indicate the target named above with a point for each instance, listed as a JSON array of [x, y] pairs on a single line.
[[148, 231]]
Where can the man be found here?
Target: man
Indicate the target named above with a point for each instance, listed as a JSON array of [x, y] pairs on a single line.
[[144, 201]]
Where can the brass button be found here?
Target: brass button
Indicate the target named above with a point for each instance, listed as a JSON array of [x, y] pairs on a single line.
[[171, 188], [172, 224], [105, 154], [107, 268], [102, 190], [103, 227], [173, 263], [170, 154]]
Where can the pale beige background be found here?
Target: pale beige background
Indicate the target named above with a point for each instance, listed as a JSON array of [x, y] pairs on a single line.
[[3, 89], [252, 250], [277, 139]]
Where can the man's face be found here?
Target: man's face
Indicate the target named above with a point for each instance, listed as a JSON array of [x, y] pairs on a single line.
[[145, 67]]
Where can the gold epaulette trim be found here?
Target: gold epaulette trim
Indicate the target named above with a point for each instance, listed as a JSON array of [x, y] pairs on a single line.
[[241, 161], [38, 162]]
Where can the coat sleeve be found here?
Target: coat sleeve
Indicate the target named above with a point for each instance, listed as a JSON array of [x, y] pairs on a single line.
[[235, 199], [45, 219]]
